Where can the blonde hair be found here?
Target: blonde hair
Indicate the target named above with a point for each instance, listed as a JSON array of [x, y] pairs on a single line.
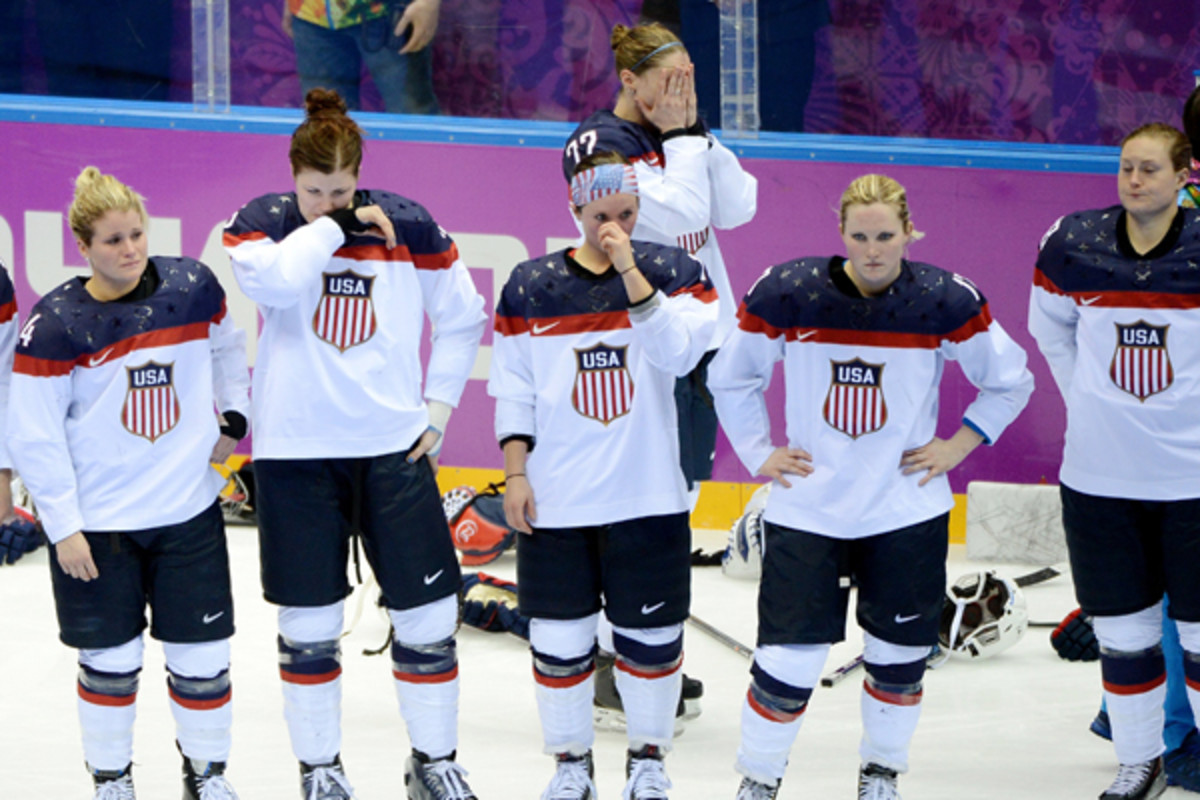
[[95, 195], [868, 189], [633, 48]]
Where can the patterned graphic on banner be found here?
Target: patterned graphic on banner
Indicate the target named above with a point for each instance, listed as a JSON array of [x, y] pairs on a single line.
[[345, 316], [1141, 364], [151, 406], [692, 242], [855, 403], [603, 387]]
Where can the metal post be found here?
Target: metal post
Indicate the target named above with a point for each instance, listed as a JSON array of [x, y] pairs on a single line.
[[210, 55], [739, 67]]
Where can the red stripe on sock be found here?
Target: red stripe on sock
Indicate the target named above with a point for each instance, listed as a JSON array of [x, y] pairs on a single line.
[[773, 716], [201, 705], [105, 699], [296, 677], [426, 677], [1137, 688], [561, 683], [648, 674], [892, 698]]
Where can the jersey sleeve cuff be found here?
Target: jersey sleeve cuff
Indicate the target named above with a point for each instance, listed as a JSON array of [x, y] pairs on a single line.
[[986, 439]]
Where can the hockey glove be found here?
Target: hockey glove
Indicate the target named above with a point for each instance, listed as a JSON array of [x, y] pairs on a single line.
[[490, 604], [19, 537], [1074, 639]]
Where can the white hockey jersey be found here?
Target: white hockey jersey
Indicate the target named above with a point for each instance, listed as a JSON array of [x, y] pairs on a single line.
[[688, 185], [111, 415], [339, 364], [8, 343], [1121, 333], [862, 377], [592, 382]]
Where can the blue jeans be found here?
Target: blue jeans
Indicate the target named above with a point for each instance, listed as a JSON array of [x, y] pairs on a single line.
[[333, 60]]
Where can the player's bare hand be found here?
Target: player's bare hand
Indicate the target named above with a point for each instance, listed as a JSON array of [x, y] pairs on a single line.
[[428, 441], [519, 506], [422, 16], [381, 226], [689, 94], [786, 461], [75, 557], [223, 449], [616, 245], [940, 455], [667, 109]]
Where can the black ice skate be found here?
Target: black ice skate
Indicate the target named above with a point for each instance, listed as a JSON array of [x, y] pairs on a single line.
[[609, 714], [753, 790], [647, 777], [435, 779], [205, 780], [113, 784], [877, 783], [1138, 781], [324, 781], [572, 778]]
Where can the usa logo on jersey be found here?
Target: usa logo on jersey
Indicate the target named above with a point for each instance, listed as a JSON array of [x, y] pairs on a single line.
[[1141, 364], [603, 387], [855, 404], [151, 406], [346, 314]]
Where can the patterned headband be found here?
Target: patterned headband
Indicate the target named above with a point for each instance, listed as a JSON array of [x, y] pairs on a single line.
[[653, 53], [601, 181]]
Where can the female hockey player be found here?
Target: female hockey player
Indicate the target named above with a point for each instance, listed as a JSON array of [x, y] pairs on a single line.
[[1113, 310], [115, 379], [860, 486], [588, 344], [343, 279], [688, 183]]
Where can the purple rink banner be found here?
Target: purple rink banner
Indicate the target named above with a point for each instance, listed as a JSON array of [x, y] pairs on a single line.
[[503, 203]]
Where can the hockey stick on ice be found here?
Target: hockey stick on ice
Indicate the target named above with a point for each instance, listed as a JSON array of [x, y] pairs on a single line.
[[722, 637], [836, 676]]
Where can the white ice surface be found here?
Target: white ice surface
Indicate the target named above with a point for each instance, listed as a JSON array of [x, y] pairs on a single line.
[[1011, 727]]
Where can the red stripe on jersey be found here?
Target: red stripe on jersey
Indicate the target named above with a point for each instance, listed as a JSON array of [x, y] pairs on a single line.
[[379, 252], [1136, 688], [234, 239], [773, 716], [8, 311], [41, 367], [310, 680], [1042, 280], [699, 291], [565, 682], [1136, 300], [564, 326], [892, 698], [646, 673], [157, 338], [426, 677], [755, 324], [201, 705], [220, 315], [97, 699]]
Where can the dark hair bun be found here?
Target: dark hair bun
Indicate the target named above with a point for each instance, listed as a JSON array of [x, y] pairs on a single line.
[[321, 102]]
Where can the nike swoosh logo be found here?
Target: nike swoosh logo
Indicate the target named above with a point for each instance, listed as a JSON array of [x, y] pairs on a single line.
[[804, 336], [431, 578], [1089, 300], [96, 361], [901, 620], [653, 608], [208, 619], [543, 328]]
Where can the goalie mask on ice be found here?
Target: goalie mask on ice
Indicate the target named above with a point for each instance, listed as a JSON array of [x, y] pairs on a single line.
[[983, 615], [477, 524]]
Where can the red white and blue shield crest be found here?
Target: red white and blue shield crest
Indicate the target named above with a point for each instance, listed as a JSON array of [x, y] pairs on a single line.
[[603, 387], [151, 405], [855, 403], [346, 314], [1141, 364]]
